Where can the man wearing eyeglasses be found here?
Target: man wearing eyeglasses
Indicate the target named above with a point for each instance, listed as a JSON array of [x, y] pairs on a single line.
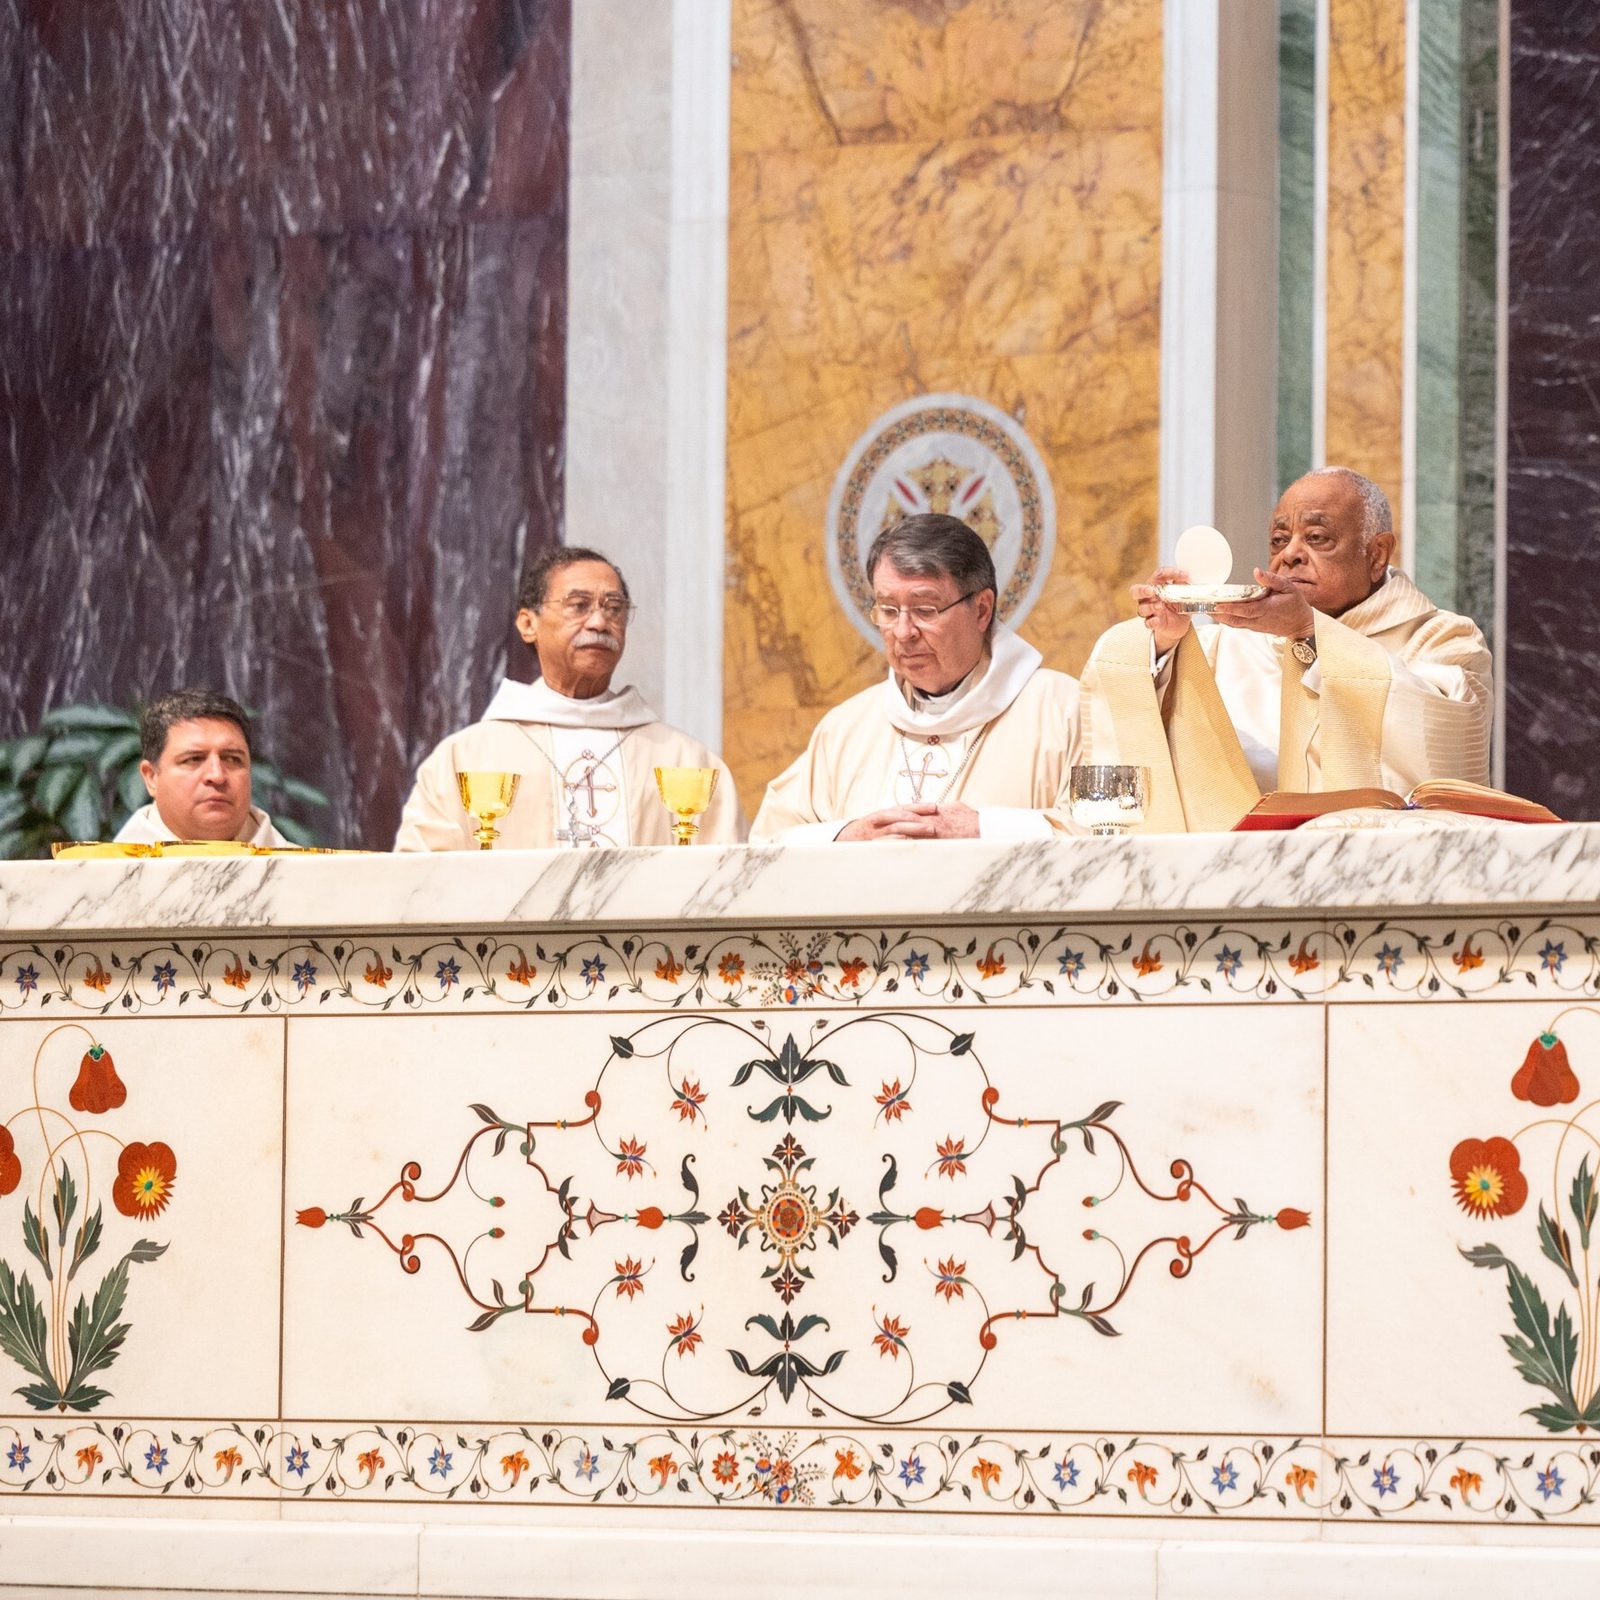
[[969, 736], [586, 752]]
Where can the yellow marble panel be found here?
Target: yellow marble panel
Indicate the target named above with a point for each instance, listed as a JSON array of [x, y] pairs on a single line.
[[1366, 238], [821, 72], [989, 224]]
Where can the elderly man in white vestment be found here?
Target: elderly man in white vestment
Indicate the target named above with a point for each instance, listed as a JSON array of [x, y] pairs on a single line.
[[587, 752], [968, 736], [1343, 676], [195, 745]]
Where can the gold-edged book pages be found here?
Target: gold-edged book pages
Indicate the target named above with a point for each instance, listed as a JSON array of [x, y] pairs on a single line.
[[1283, 809]]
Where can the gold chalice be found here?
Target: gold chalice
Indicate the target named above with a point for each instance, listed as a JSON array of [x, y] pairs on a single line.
[[686, 792], [488, 796]]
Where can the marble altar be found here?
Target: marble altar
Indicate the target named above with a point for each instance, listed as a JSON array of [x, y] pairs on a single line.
[[1140, 1214]]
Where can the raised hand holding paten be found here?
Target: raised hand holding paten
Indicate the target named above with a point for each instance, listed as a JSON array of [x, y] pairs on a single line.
[[1283, 611], [1166, 624]]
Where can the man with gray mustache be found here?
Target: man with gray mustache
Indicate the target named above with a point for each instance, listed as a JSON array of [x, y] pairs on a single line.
[[586, 752]]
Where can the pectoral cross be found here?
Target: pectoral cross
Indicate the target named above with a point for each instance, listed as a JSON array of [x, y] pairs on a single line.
[[918, 778], [586, 782], [577, 834]]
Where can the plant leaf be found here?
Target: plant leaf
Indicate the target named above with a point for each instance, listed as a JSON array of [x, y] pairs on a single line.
[[1554, 1241], [87, 1242], [33, 1235], [23, 1330], [1583, 1201], [93, 717]]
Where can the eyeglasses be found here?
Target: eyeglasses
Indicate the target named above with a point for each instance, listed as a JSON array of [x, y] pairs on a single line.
[[886, 616], [576, 606]]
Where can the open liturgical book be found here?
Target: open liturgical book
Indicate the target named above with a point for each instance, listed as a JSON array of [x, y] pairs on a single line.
[[1285, 809]]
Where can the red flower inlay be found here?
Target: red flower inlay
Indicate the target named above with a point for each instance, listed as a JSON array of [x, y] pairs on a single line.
[[951, 1152], [98, 1088], [1487, 1176], [311, 1217], [1288, 1218], [894, 1102], [145, 1175], [690, 1098], [10, 1162], [632, 1162], [683, 1334], [892, 1338], [1545, 1076]]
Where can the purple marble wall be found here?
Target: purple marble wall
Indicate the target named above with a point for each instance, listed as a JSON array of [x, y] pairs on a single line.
[[282, 362], [1552, 654]]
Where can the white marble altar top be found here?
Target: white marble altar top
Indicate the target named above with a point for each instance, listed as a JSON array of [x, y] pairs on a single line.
[[1534, 866]]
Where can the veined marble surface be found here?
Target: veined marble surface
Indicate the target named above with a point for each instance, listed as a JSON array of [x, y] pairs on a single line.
[[1527, 866]]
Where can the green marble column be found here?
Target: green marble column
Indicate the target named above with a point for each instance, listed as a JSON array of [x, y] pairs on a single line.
[[1456, 198], [1297, 136]]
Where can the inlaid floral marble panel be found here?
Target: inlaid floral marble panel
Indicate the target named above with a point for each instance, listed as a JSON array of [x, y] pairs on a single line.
[[565, 1218]]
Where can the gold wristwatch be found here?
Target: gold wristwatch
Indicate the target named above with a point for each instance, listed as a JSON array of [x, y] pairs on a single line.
[[1305, 650]]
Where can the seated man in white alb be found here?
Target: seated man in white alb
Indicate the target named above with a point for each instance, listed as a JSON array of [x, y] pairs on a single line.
[[587, 752], [968, 736], [1343, 676], [196, 767]]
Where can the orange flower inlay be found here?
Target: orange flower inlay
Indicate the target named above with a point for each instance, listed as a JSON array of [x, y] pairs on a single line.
[[145, 1177], [98, 1088], [10, 1162], [1546, 1076], [1304, 959], [1487, 1177], [990, 965], [683, 1332]]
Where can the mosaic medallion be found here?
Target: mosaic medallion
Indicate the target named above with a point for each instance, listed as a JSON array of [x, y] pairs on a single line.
[[954, 454]]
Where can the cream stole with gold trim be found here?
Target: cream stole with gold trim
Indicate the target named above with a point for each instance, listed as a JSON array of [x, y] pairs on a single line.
[[1200, 779]]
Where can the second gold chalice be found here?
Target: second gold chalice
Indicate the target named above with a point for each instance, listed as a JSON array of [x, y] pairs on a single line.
[[488, 796], [686, 792]]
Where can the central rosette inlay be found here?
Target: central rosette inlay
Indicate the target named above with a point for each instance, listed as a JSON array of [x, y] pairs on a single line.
[[788, 1218]]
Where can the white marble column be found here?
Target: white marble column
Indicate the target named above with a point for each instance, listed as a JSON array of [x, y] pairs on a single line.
[[1219, 272], [646, 334]]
